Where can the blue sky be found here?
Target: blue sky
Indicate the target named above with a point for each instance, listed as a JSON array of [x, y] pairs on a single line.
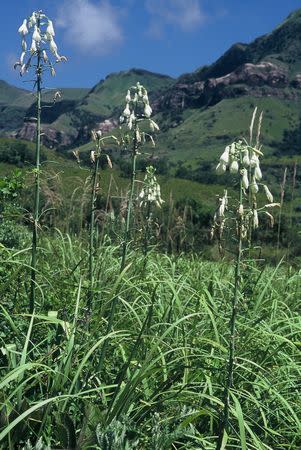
[[166, 36]]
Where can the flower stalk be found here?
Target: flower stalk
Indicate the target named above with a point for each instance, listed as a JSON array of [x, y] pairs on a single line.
[[136, 112], [39, 30], [243, 162]]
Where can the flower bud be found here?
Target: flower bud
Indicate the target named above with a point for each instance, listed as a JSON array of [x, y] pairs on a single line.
[[245, 179], [232, 149], [128, 96], [44, 56], [52, 71], [99, 134], [255, 219], [241, 209]]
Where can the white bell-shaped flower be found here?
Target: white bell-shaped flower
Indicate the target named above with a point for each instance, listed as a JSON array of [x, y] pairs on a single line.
[[44, 56], [24, 45], [254, 186], [128, 96], [33, 47], [246, 159], [225, 155], [147, 111], [36, 35], [50, 29], [221, 168], [53, 46], [234, 166], [23, 30], [268, 194], [257, 172], [126, 112]]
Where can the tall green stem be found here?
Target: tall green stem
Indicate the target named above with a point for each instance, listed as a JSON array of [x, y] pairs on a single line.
[[37, 185], [92, 232], [124, 246], [224, 422], [129, 206]]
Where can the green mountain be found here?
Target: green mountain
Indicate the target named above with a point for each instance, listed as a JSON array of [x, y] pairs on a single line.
[[198, 113]]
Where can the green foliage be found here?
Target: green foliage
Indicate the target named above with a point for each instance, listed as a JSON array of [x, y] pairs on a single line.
[[18, 153], [163, 374]]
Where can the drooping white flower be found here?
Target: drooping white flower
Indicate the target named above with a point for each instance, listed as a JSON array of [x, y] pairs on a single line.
[[225, 155], [254, 160], [147, 111], [126, 112], [36, 35], [254, 186], [268, 194], [33, 47], [255, 219], [32, 20], [153, 126], [246, 159], [52, 71], [23, 69], [22, 58], [257, 172], [53, 46], [241, 209], [24, 45], [128, 96], [50, 29], [98, 134], [221, 168], [23, 30], [145, 98], [234, 166], [245, 179], [44, 56]]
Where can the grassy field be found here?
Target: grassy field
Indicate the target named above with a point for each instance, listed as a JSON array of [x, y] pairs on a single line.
[[160, 385]]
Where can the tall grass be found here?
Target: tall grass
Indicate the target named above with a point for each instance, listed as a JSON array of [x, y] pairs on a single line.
[[164, 365]]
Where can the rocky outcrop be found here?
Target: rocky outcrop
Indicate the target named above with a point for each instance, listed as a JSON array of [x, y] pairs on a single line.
[[50, 137], [263, 79], [107, 125]]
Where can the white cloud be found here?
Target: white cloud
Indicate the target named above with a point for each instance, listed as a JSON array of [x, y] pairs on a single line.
[[185, 14], [91, 27]]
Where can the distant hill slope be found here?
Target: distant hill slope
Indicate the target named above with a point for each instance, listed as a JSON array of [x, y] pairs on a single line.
[[198, 112]]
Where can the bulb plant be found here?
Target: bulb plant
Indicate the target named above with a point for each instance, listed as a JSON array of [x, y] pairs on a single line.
[[149, 196], [243, 162], [138, 130], [137, 118], [38, 44]]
